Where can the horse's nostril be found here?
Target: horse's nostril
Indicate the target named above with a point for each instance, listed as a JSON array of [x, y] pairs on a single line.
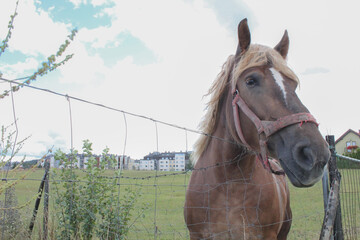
[[305, 157]]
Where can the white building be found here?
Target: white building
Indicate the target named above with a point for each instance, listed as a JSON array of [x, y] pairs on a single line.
[[147, 165], [179, 162], [168, 161], [164, 164]]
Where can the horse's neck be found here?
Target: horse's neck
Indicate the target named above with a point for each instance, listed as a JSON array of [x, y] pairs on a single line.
[[223, 156]]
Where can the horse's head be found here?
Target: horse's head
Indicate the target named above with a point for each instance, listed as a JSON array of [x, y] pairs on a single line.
[[268, 115]]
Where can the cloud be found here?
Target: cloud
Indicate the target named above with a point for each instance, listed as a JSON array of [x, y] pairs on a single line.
[[77, 3], [96, 3], [315, 70], [31, 33], [230, 13], [19, 68]]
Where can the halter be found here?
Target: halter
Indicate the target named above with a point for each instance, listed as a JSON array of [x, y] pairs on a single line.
[[265, 128]]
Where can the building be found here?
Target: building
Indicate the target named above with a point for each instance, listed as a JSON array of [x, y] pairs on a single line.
[[147, 165], [347, 142], [134, 164], [179, 163], [81, 162], [123, 162], [164, 164], [168, 161]]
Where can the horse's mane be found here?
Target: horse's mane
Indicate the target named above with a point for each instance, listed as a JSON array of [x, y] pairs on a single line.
[[255, 56]]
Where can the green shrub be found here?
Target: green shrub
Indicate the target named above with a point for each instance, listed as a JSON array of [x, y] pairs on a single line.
[[90, 204]]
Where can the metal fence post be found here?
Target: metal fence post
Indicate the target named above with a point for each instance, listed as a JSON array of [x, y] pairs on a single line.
[[325, 186], [334, 174], [46, 199]]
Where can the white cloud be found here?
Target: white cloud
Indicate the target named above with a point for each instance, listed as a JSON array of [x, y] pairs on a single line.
[[96, 3], [98, 37], [82, 68], [77, 3], [35, 32], [16, 70]]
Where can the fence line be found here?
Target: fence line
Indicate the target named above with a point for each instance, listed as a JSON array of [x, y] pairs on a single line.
[[142, 227], [349, 192], [121, 111]]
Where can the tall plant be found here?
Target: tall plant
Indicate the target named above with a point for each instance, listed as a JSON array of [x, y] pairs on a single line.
[[99, 209]]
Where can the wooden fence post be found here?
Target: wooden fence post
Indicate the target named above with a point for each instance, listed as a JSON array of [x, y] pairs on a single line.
[[331, 212], [37, 203], [334, 176], [325, 187]]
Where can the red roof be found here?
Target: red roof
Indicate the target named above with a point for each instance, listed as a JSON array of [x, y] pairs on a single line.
[[346, 133]]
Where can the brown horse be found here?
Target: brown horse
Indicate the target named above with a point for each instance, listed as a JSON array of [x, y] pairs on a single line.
[[235, 190]]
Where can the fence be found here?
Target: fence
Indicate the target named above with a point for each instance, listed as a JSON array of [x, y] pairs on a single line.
[[350, 196], [163, 194], [342, 202], [158, 213]]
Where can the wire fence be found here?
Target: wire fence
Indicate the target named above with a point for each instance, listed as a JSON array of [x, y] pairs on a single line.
[[158, 210], [350, 196]]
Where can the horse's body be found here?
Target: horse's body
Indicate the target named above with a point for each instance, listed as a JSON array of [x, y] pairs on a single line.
[[231, 195]]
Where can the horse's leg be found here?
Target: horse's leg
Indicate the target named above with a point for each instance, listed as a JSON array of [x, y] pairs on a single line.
[[285, 228]]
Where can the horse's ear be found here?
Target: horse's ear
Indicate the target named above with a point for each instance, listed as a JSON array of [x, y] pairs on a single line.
[[283, 46], [244, 37]]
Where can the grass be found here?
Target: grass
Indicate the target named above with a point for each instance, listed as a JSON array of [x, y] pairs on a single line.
[[166, 194]]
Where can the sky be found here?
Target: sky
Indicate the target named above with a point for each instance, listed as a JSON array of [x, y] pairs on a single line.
[[158, 58]]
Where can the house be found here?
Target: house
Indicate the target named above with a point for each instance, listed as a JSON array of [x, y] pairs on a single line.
[[348, 142]]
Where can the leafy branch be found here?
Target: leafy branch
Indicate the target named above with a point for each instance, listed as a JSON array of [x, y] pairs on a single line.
[[47, 66], [4, 43]]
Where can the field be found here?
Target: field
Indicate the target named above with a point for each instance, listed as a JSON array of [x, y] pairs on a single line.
[[163, 199]]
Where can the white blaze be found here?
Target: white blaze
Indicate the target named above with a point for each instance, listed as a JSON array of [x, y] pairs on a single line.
[[279, 80]]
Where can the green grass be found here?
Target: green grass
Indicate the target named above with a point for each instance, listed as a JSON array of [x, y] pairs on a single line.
[[166, 195]]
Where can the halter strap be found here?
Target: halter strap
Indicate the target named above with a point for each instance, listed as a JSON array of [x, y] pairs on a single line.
[[265, 128]]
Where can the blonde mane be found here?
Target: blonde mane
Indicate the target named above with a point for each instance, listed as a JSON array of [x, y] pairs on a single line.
[[255, 56]]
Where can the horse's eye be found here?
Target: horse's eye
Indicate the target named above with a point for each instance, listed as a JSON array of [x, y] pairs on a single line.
[[250, 82]]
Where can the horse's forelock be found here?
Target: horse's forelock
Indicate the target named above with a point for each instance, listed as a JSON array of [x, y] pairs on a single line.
[[258, 55]]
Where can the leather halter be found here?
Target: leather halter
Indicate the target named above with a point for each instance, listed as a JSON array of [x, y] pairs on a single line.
[[265, 128]]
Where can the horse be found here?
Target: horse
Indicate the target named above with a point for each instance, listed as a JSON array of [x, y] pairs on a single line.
[[257, 134]]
